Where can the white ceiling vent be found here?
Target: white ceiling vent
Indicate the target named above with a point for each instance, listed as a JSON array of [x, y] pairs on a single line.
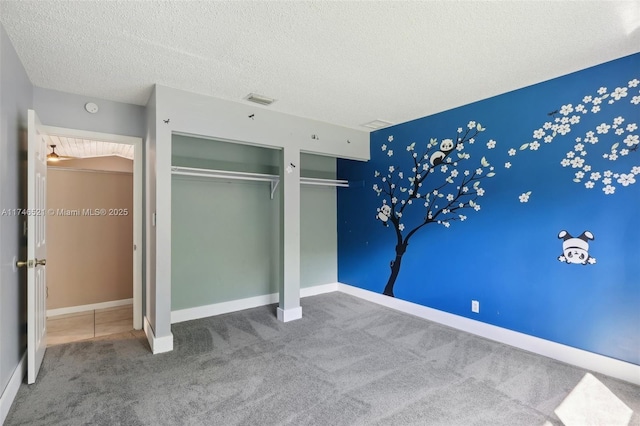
[[377, 124], [259, 99]]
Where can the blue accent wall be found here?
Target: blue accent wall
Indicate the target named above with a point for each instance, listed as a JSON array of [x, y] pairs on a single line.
[[565, 157]]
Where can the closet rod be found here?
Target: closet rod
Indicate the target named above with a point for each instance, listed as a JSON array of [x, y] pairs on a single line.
[[274, 179], [223, 174], [324, 182]]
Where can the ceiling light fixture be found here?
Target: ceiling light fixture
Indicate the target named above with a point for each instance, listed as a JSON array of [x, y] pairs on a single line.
[[377, 124], [53, 155], [259, 99]]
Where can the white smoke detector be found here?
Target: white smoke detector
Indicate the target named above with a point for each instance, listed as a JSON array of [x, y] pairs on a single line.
[[91, 107]]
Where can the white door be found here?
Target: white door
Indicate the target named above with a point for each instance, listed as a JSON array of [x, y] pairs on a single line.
[[36, 248]]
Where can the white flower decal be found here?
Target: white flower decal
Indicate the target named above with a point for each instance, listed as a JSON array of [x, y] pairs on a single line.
[[524, 197], [619, 93], [627, 179], [566, 109], [631, 140]]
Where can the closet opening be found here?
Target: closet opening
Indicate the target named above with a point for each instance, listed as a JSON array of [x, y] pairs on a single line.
[[227, 224]]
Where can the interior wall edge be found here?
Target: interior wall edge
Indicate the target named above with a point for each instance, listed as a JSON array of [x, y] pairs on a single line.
[[158, 344]]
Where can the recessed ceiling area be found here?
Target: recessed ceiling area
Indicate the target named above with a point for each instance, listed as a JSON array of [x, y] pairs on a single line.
[[347, 62]]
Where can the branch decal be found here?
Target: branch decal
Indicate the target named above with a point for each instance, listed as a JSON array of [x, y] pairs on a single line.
[[445, 184]]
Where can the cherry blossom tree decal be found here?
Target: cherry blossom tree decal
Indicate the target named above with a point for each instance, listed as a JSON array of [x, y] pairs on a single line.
[[443, 184], [620, 136]]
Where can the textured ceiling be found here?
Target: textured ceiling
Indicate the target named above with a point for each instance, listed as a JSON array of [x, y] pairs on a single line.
[[343, 62]]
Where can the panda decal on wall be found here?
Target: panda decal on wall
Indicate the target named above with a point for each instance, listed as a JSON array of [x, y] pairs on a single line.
[[576, 249], [384, 213], [446, 146]]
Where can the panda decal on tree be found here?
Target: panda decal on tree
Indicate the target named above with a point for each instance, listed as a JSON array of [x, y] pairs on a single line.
[[576, 249], [384, 213], [446, 146]]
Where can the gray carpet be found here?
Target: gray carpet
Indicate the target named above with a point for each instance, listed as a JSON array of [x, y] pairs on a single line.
[[346, 362]]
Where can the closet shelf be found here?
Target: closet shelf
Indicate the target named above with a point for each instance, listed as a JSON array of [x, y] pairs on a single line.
[[260, 177]]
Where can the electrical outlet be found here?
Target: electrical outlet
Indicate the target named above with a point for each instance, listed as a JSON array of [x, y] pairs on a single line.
[[475, 306]]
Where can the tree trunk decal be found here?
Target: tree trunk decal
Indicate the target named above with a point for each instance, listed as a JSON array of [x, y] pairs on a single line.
[[395, 269]]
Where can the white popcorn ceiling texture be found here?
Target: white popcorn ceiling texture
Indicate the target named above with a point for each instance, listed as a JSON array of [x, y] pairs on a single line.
[[346, 63]]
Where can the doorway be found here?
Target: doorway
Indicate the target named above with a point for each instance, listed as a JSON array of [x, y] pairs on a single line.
[[95, 231]]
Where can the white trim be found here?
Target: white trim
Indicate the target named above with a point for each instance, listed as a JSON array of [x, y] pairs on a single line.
[[189, 314], [10, 392], [83, 308], [578, 357], [292, 314], [318, 289], [137, 243], [158, 344]]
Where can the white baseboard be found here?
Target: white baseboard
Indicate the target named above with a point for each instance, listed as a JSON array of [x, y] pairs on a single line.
[[578, 357], [10, 392], [286, 315], [318, 289], [242, 304], [158, 344], [91, 307], [222, 308]]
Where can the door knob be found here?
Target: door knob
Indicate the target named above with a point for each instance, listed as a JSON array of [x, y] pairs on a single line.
[[23, 263], [31, 263]]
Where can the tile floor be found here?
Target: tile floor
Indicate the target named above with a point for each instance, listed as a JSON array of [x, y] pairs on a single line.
[[87, 325]]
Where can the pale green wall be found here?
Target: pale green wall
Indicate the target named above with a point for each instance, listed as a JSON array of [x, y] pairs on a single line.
[[318, 223], [225, 235]]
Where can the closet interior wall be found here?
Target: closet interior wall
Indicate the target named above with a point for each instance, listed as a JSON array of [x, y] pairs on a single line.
[[226, 233]]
